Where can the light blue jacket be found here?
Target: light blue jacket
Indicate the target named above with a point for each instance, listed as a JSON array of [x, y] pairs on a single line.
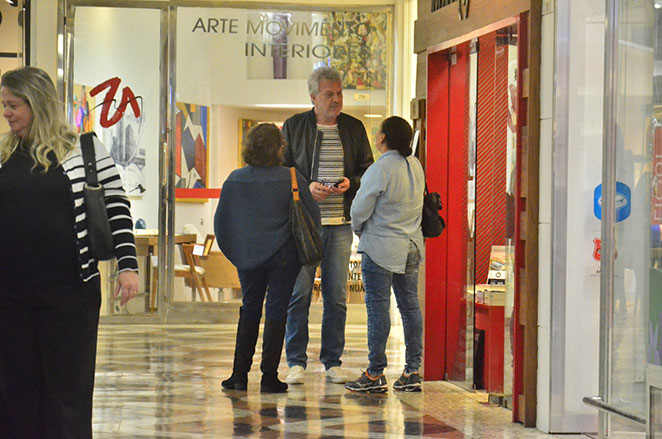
[[386, 212]]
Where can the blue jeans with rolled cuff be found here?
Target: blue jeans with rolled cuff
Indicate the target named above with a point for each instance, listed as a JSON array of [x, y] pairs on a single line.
[[377, 282]]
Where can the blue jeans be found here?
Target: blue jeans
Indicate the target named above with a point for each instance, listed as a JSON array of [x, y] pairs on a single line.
[[274, 278], [337, 241], [377, 282]]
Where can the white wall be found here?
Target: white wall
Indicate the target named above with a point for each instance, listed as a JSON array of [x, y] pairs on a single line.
[[43, 32]]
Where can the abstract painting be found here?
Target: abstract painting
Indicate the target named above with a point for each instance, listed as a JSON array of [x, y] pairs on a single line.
[[82, 109], [192, 140]]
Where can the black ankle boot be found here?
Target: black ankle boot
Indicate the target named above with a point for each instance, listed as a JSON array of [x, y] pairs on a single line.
[[238, 381], [272, 348], [271, 384], [244, 349]]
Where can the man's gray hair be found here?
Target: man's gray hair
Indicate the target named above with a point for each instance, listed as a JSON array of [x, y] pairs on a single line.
[[321, 73]]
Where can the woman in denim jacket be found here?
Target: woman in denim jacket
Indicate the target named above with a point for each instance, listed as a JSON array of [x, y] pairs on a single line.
[[252, 226], [386, 214]]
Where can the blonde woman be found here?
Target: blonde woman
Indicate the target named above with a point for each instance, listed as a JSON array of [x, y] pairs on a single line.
[[49, 282]]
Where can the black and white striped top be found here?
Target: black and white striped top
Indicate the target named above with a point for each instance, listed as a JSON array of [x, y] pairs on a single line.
[[331, 169], [117, 205]]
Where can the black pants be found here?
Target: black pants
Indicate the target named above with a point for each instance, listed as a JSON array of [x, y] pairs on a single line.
[[274, 278], [48, 343]]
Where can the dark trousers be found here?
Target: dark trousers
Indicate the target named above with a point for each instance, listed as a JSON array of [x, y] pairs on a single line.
[[275, 278], [47, 355]]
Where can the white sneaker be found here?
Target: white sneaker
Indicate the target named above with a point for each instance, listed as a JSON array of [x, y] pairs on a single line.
[[295, 375], [337, 375]]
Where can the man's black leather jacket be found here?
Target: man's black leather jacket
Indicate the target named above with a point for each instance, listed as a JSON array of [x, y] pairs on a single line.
[[302, 147]]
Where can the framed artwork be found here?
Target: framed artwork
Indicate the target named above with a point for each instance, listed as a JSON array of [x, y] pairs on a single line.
[[191, 150], [244, 126], [359, 43], [83, 106]]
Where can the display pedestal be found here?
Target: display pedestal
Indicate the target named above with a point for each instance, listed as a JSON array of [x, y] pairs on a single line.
[[490, 319]]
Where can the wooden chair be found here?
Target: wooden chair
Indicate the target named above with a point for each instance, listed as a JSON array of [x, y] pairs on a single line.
[[194, 275], [197, 279], [219, 271]]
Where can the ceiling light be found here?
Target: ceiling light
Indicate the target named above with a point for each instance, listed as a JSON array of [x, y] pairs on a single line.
[[375, 116]]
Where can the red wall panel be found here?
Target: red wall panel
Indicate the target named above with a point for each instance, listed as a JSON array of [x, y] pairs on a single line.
[[491, 150], [436, 251]]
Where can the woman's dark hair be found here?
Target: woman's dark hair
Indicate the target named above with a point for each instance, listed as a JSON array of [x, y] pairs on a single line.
[[398, 135], [263, 146]]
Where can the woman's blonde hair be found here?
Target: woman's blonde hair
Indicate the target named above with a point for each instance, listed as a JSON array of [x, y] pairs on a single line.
[[49, 130]]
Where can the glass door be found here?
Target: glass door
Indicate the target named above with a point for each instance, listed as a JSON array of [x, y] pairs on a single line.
[[115, 85], [629, 201]]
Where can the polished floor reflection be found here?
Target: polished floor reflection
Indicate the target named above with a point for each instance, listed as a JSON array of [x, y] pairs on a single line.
[[164, 382]]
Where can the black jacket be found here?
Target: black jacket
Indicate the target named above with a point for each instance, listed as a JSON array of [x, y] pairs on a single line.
[[303, 142]]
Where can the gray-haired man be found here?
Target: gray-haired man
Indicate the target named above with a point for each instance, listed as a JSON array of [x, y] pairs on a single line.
[[331, 149]]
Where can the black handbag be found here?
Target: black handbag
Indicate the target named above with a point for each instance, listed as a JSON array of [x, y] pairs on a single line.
[[98, 228], [303, 228], [432, 223]]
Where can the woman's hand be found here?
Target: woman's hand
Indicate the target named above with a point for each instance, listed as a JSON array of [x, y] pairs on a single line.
[[127, 286]]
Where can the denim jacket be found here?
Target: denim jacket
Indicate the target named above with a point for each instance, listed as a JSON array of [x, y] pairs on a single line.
[[386, 212]]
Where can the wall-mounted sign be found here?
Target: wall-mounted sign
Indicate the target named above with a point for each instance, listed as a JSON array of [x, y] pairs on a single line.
[[622, 201], [288, 45]]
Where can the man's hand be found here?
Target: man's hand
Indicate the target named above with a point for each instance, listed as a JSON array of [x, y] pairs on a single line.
[[319, 191], [342, 187]]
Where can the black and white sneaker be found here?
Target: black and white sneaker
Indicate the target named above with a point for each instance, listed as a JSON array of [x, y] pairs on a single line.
[[408, 382], [367, 383]]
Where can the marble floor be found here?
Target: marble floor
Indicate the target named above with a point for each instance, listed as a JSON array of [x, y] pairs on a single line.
[[164, 382]]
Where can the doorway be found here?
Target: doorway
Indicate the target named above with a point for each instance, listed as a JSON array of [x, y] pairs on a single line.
[[473, 156]]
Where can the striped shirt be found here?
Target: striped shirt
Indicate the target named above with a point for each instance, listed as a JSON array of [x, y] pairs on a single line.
[[330, 170], [117, 205]]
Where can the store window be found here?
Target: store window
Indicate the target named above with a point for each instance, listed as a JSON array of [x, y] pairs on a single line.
[[173, 108], [238, 67]]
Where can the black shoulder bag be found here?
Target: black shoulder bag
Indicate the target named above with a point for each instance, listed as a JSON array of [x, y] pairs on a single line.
[[98, 228], [432, 223], [304, 230]]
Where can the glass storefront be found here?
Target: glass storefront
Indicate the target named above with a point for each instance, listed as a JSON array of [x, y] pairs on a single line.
[[172, 91], [628, 200]]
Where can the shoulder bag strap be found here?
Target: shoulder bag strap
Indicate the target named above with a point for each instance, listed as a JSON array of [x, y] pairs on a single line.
[[426, 180], [295, 186], [89, 159]]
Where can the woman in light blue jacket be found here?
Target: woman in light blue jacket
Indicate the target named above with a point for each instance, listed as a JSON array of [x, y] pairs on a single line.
[[386, 214]]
